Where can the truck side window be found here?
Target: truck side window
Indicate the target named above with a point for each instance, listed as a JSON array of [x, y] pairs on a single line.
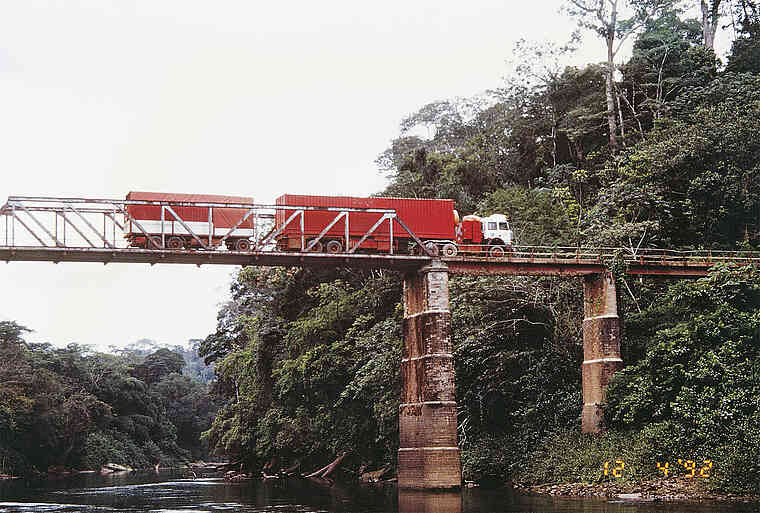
[[503, 226], [491, 226]]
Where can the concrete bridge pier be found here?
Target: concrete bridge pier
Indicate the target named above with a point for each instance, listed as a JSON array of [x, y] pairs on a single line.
[[428, 455], [601, 346]]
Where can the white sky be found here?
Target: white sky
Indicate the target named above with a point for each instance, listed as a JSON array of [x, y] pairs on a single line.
[[248, 98]]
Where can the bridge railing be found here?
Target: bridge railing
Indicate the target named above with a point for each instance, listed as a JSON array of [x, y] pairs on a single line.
[[604, 255]]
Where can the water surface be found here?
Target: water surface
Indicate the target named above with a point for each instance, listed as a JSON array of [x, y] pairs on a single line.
[[180, 493]]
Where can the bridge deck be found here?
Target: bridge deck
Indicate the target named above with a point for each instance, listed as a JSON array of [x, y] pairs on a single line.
[[533, 261]]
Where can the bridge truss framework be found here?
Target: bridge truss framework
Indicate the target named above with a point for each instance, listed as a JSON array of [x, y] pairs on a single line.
[[92, 230]]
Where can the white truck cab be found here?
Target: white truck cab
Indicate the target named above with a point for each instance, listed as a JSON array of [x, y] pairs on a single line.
[[496, 228]]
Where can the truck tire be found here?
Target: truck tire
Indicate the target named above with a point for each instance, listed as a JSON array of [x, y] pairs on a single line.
[[496, 251], [432, 248], [175, 243], [154, 243], [242, 245], [333, 247], [318, 247], [449, 250]]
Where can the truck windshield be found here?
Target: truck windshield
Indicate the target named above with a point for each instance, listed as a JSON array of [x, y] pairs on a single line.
[[491, 226], [503, 226]]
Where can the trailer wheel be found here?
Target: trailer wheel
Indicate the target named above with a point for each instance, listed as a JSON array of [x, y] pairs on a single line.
[[334, 246], [317, 248], [496, 251], [242, 245], [432, 248], [154, 243], [449, 250], [175, 243]]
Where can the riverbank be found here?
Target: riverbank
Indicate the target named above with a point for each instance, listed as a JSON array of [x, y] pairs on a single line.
[[679, 489]]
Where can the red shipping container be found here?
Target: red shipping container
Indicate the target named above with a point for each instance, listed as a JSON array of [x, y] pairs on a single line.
[[427, 218], [221, 217]]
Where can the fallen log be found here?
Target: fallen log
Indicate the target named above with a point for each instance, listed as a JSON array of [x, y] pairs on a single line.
[[223, 466], [325, 471], [291, 470]]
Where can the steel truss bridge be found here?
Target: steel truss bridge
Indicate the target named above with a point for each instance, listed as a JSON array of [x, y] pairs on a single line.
[[93, 230]]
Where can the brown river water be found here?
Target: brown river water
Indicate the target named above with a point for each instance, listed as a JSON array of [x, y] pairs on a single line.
[[169, 492]]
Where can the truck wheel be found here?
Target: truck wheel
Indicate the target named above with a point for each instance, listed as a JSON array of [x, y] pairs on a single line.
[[334, 247], [175, 243], [449, 250], [317, 248], [242, 245], [496, 251], [154, 243], [432, 248]]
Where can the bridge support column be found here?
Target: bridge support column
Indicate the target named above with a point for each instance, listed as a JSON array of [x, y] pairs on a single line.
[[428, 455], [601, 346]]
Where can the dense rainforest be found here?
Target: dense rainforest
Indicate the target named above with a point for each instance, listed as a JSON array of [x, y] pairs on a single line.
[[661, 150], [74, 408]]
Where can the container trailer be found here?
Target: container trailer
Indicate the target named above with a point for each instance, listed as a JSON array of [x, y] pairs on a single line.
[[428, 219], [435, 222], [192, 226]]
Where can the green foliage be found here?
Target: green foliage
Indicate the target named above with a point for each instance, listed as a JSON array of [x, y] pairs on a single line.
[[539, 217], [159, 364], [699, 375], [72, 407], [693, 181], [627, 456], [745, 50], [516, 363], [489, 459], [318, 370]]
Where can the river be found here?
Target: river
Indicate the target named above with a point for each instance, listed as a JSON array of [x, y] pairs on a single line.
[[169, 492]]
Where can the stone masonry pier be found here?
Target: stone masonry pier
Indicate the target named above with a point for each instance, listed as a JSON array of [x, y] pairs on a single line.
[[601, 346], [428, 455]]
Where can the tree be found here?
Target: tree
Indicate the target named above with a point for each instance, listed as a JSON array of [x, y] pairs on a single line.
[[668, 58], [159, 364], [710, 17], [603, 18]]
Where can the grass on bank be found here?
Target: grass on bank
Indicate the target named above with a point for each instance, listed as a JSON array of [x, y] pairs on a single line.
[[571, 457]]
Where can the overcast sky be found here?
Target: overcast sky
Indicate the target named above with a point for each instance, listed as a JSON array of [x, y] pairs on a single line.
[[245, 98]]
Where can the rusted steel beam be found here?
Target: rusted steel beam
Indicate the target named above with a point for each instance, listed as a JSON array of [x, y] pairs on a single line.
[[165, 256], [544, 267], [691, 271], [522, 268]]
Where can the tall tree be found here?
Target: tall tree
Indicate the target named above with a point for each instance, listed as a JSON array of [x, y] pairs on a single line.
[[604, 18], [710, 16]]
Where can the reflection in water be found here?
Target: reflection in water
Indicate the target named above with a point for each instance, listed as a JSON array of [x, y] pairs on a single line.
[[419, 501]]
